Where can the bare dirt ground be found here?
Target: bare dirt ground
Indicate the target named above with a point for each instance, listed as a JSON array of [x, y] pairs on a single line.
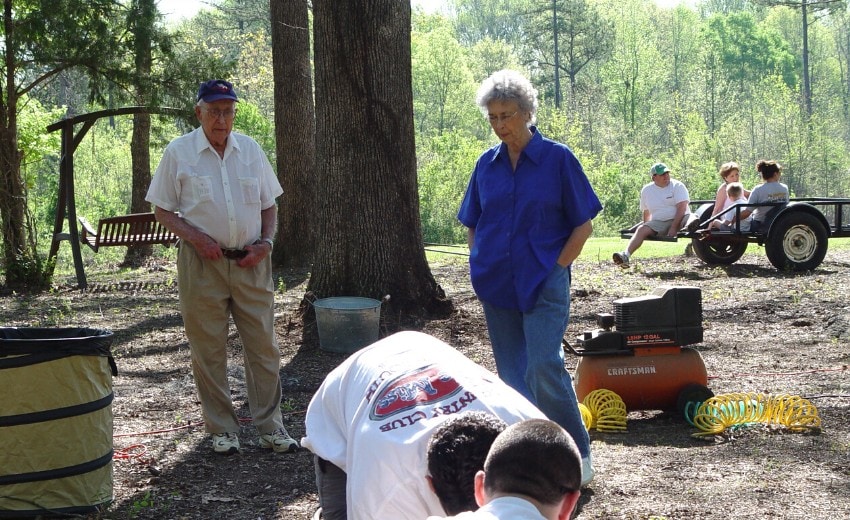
[[765, 331]]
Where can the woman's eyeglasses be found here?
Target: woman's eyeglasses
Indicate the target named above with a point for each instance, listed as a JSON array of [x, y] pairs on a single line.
[[494, 119]]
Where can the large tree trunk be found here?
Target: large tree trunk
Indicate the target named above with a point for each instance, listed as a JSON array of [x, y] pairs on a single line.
[[141, 166], [13, 202], [142, 26], [12, 208], [370, 237], [295, 129]]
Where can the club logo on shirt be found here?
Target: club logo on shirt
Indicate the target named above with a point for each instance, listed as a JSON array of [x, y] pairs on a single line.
[[422, 386]]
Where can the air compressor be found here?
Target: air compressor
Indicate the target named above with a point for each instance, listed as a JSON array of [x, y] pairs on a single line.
[[641, 351]]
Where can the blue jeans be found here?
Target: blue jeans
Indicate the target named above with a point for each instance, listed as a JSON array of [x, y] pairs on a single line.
[[530, 358]]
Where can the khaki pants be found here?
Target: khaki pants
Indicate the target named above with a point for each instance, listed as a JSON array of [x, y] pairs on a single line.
[[210, 292]]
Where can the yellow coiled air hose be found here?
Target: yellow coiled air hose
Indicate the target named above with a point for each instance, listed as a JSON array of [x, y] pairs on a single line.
[[717, 413], [604, 410], [586, 416]]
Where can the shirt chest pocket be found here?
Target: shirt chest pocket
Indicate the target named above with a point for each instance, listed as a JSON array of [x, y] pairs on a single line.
[[201, 188], [250, 188]]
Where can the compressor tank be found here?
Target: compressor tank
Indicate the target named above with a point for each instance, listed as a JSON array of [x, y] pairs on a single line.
[[644, 382]]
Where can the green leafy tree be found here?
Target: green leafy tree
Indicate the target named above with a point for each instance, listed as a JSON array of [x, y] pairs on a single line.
[[37, 44], [681, 44], [443, 88], [806, 8], [445, 166], [37, 168], [748, 52], [494, 19], [489, 55], [841, 35], [632, 73], [563, 37]]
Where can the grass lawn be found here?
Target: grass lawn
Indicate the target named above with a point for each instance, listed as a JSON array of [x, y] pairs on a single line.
[[600, 249]]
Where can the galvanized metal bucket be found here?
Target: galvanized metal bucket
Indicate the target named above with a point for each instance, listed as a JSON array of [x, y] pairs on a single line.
[[347, 323]]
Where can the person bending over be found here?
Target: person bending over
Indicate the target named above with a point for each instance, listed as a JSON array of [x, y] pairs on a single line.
[[456, 452], [369, 424]]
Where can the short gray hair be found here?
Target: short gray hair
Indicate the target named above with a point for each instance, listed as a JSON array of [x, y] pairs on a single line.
[[508, 85]]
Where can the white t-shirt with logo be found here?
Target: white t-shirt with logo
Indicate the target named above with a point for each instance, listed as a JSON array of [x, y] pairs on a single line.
[[374, 414]]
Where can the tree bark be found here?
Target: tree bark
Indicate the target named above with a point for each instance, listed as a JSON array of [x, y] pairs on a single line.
[[12, 206], [12, 196], [369, 226], [143, 27], [295, 129]]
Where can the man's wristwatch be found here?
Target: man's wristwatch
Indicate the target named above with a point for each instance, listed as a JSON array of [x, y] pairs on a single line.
[[268, 241]]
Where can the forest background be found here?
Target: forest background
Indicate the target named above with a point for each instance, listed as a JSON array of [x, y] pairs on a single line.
[[624, 83]]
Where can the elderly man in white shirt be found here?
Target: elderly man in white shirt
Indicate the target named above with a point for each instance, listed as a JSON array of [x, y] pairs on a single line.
[[216, 190]]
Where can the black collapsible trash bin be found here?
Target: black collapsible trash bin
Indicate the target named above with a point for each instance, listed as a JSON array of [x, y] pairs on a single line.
[[55, 420]]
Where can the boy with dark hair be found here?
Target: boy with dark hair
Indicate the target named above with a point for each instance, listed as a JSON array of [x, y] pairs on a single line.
[[456, 452]]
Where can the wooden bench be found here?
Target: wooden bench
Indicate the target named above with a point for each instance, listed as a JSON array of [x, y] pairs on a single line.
[[126, 230]]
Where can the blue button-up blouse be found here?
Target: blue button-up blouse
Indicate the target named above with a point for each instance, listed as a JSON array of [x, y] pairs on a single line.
[[522, 219]]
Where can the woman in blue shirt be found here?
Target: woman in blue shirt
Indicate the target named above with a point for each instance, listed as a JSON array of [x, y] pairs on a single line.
[[528, 209]]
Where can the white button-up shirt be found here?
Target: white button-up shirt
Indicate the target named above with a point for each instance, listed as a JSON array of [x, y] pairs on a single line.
[[222, 197]]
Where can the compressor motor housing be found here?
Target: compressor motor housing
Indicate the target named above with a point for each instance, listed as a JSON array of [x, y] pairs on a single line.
[[668, 317]]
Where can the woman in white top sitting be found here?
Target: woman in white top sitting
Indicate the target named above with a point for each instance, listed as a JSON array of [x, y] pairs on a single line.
[[729, 172]]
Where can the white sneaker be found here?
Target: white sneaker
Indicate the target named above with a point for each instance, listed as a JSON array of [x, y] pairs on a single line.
[[587, 472], [225, 443], [621, 259], [279, 440]]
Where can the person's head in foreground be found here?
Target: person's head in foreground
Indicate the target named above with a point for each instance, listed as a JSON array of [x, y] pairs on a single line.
[[456, 452], [535, 460]]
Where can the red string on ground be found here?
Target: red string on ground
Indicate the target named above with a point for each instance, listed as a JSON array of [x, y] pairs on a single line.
[[140, 451]]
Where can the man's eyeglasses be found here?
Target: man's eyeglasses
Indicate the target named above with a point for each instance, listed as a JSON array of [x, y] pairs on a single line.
[[216, 113], [494, 119]]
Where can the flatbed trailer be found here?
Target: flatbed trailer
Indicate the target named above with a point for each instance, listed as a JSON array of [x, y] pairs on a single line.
[[795, 234]]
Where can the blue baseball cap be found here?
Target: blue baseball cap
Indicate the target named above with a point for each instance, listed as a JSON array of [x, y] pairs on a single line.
[[216, 89]]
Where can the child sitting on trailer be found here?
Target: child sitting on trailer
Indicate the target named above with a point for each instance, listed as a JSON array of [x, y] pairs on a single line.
[[734, 195]]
